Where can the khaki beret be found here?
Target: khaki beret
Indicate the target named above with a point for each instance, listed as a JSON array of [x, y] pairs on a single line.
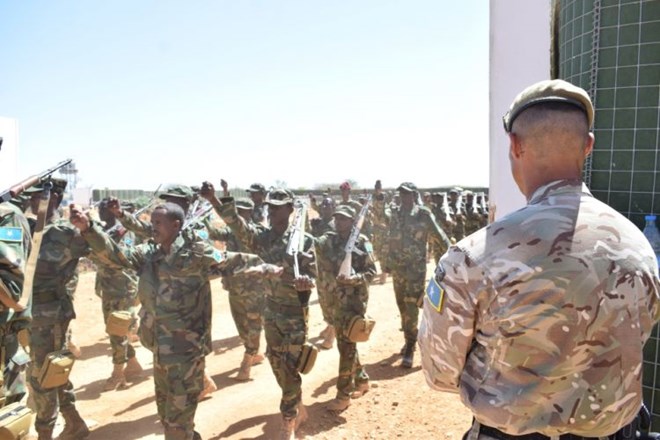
[[555, 90]]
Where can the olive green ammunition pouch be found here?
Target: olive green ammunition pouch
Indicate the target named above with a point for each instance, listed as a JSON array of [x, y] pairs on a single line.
[[15, 421]]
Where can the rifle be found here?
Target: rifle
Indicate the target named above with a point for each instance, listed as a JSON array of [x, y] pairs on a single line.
[[197, 216], [346, 269], [15, 190], [297, 237]]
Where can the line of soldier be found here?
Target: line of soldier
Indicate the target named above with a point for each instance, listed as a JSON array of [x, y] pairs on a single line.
[[260, 226]]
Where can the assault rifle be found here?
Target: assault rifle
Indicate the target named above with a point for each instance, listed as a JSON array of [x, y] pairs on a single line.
[[15, 190], [297, 237], [346, 269]]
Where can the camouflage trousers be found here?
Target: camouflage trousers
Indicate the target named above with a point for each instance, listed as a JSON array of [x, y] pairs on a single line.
[[178, 384], [407, 290], [122, 350], [351, 371], [286, 331], [247, 309], [327, 303], [15, 363], [45, 339]]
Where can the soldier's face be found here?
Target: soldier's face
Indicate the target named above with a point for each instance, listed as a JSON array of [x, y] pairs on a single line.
[[245, 213], [279, 214], [165, 229], [407, 199], [343, 224]]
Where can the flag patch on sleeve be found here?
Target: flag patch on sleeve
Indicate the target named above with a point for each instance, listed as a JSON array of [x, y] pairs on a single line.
[[218, 256], [203, 234], [11, 234], [435, 294]]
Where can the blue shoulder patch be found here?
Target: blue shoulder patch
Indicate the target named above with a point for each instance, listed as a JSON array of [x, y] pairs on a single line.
[[11, 234], [369, 247], [435, 294], [218, 256], [128, 242], [203, 234]]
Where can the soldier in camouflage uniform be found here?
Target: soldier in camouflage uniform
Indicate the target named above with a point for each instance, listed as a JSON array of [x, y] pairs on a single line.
[[411, 227], [287, 300], [257, 194], [539, 319], [175, 293], [246, 295], [473, 217], [117, 288], [319, 226], [15, 245], [52, 310], [457, 212], [351, 297]]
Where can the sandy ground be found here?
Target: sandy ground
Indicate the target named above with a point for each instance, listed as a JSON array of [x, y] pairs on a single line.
[[399, 404]]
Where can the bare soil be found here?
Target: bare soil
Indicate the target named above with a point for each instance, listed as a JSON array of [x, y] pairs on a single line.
[[399, 404]]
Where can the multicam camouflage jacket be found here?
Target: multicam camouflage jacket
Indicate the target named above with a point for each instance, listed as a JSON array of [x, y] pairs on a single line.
[[539, 319], [174, 290], [113, 281]]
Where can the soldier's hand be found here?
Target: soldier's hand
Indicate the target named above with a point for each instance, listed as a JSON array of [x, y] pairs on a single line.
[[303, 283], [269, 271], [78, 218], [207, 191], [223, 184], [114, 206], [353, 280]]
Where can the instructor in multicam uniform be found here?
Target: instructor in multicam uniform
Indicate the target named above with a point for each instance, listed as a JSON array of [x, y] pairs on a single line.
[[539, 320]]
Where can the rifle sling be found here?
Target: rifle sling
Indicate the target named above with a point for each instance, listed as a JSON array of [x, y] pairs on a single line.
[[31, 266]]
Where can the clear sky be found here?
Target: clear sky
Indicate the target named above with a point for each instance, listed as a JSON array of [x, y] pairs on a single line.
[[296, 91]]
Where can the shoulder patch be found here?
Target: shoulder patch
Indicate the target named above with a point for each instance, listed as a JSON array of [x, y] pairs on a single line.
[[128, 241], [435, 294], [218, 255], [11, 234], [202, 233], [369, 248]]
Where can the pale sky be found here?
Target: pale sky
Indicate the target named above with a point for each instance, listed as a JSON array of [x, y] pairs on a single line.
[[297, 91]]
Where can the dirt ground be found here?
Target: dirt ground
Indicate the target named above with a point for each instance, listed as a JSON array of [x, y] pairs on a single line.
[[399, 404]]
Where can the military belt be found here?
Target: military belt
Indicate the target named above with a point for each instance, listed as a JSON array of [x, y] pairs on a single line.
[[628, 432], [286, 309]]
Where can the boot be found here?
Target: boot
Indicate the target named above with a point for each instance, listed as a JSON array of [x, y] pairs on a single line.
[[172, 433], [133, 369], [257, 359], [209, 387], [74, 426], [338, 405], [45, 433], [408, 354], [117, 380], [244, 370], [329, 339], [302, 415], [360, 390], [287, 429]]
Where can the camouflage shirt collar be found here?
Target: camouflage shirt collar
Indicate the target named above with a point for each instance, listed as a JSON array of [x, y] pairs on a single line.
[[557, 187]]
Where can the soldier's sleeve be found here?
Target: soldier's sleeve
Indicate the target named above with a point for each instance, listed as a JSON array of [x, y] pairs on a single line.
[[244, 232], [437, 236], [223, 263], [447, 329], [15, 244], [219, 234], [142, 229], [365, 265], [109, 252]]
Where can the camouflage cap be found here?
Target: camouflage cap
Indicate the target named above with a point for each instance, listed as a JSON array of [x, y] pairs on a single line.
[[279, 196], [244, 203], [256, 187], [456, 190], [59, 185], [407, 187], [555, 90], [177, 191], [345, 210]]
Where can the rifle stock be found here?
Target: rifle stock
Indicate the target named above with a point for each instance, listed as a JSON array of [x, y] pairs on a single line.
[[346, 269], [297, 237]]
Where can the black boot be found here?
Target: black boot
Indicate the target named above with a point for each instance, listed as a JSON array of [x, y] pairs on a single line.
[[408, 353]]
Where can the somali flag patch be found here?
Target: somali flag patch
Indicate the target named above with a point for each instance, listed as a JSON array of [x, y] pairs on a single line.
[[202, 233], [11, 234], [435, 294], [218, 256]]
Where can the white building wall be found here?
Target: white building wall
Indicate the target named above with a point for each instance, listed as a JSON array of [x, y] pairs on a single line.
[[8, 154], [519, 56]]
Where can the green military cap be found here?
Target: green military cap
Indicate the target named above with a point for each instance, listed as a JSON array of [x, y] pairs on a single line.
[[555, 90], [59, 185], [345, 210], [244, 203], [407, 187], [467, 192], [456, 190], [279, 196], [177, 191]]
